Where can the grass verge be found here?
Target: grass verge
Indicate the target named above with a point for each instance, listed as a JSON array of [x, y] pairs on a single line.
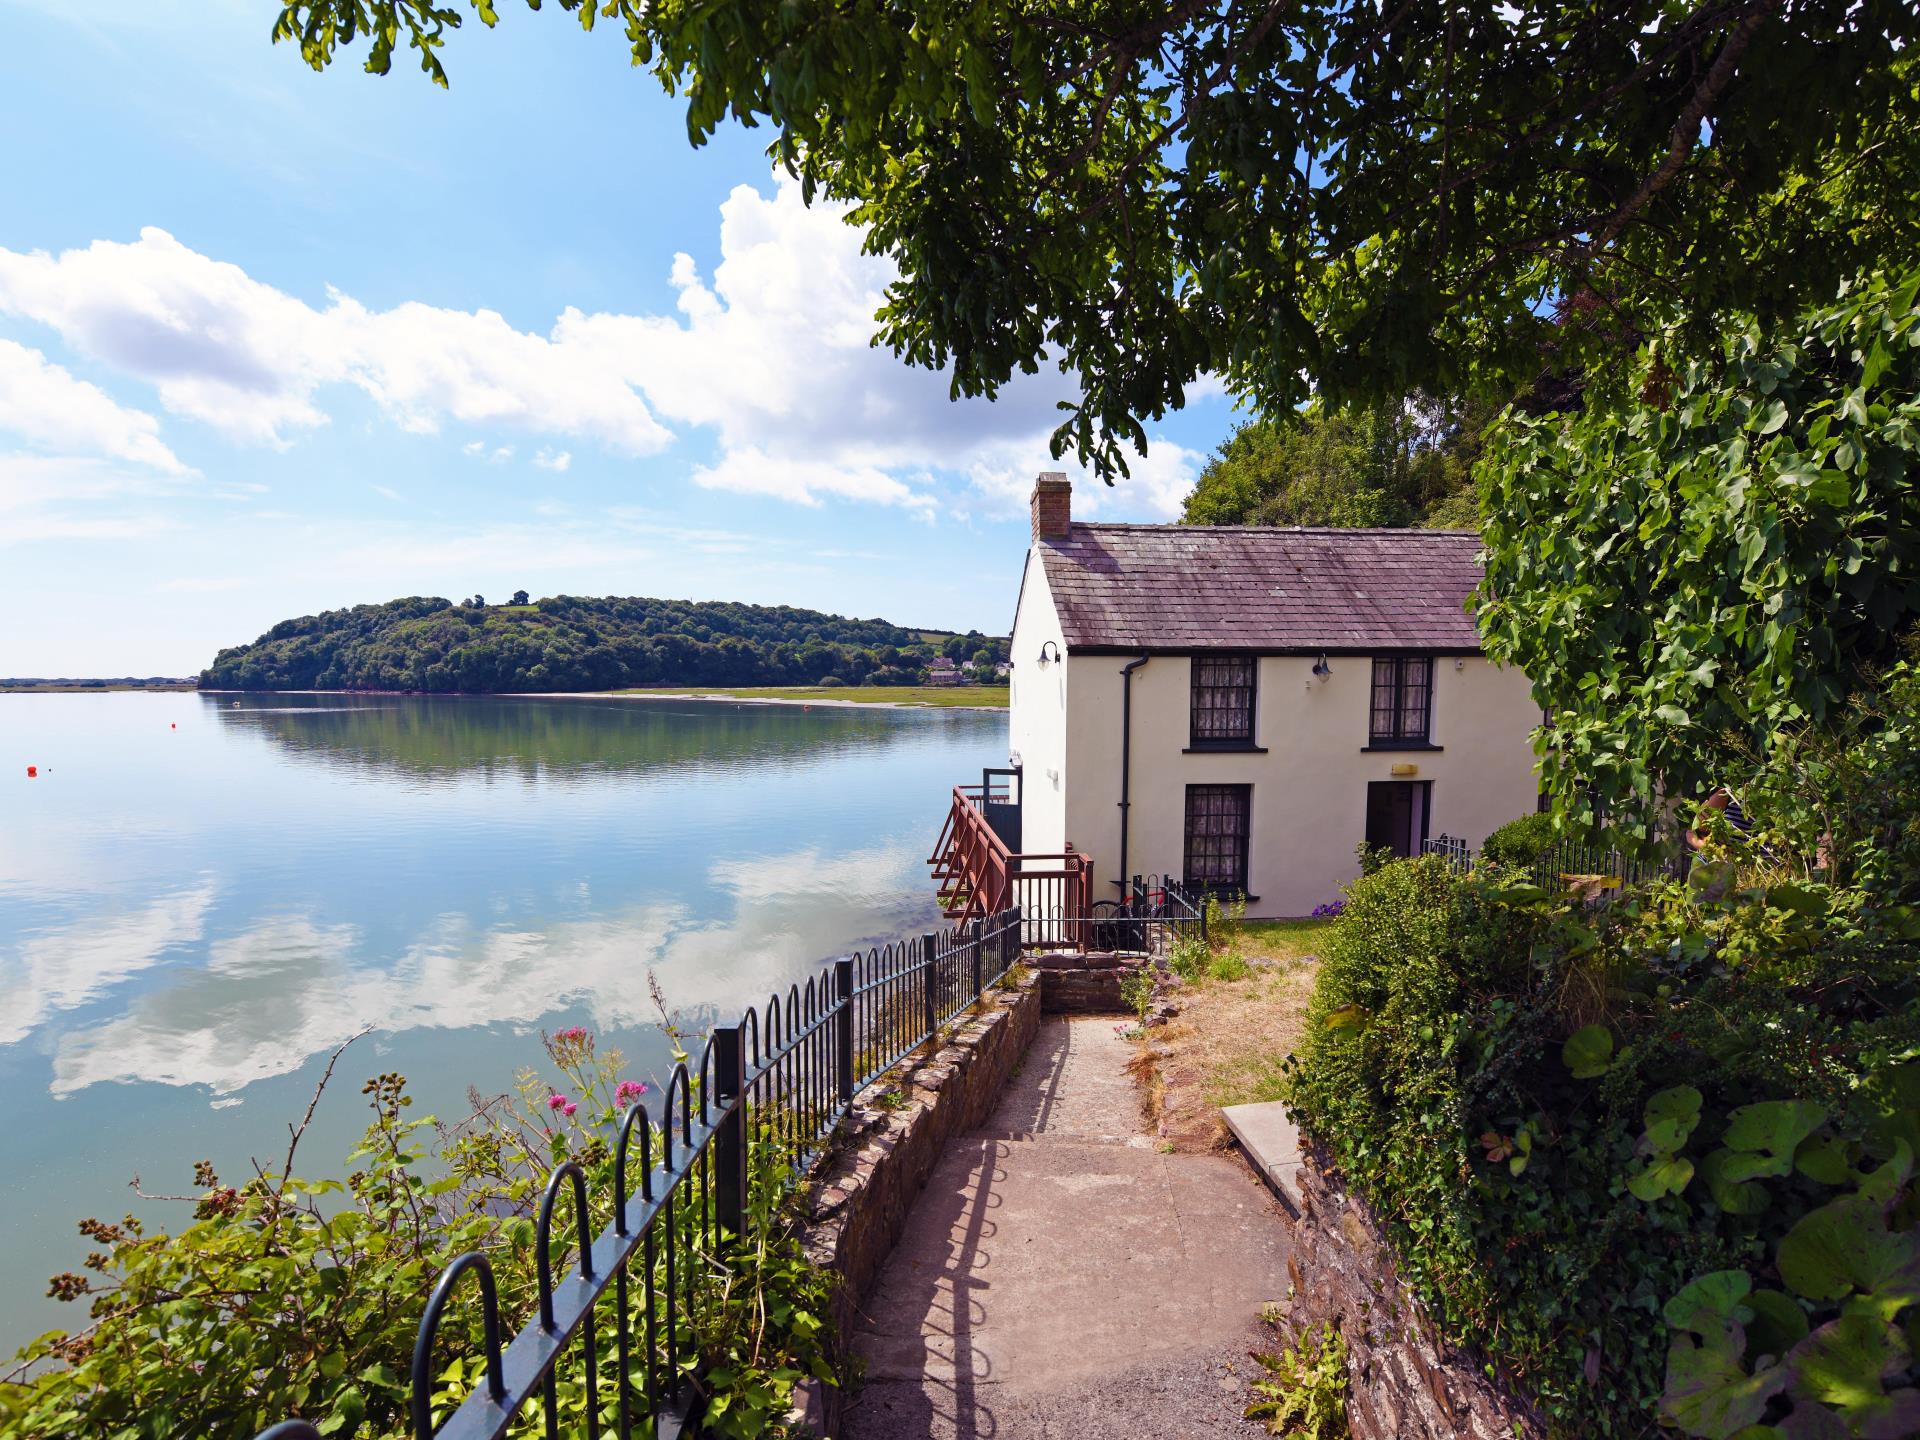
[[1232, 1036]]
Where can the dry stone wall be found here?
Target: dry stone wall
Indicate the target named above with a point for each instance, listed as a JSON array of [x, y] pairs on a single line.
[[894, 1136], [1407, 1384]]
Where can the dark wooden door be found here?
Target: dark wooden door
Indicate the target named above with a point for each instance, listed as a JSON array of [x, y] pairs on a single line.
[[1391, 810]]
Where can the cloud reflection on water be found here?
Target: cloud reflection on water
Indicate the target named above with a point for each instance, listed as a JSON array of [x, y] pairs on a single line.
[[290, 987]]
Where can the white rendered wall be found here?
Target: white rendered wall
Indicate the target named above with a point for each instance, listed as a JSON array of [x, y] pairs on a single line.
[[1309, 809], [1037, 714]]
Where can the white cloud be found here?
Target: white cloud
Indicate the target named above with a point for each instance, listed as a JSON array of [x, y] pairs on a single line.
[[772, 353], [224, 348], [46, 405]]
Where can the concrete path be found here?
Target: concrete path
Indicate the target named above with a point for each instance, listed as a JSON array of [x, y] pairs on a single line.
[[1061, 1279]]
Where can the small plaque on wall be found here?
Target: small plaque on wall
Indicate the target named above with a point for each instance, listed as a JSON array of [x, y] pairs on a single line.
[[1405, 770]]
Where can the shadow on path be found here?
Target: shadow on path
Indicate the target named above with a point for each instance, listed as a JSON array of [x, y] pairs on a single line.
[[1059, 1277]]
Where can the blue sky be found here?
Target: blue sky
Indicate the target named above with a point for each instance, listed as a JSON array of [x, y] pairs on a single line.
[[273, 342]]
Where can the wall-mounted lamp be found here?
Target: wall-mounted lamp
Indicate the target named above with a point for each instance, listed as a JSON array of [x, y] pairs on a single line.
[[1044, 657], [1321, 668]]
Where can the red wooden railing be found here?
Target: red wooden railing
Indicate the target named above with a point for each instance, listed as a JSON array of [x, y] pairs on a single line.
[[978, 876]]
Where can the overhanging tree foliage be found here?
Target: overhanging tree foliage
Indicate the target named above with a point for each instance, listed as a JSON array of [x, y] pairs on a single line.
[[1355, 200], [1737, 556]]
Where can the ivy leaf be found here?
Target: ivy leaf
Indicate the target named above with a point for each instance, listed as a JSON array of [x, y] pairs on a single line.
[[1845, 1364], [1588, 1052]]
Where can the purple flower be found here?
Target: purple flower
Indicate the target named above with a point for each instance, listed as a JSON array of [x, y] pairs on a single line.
[[1329, 910], [569, 1108], [555, 1102]]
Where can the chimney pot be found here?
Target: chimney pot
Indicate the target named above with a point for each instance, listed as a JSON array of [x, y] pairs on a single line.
[[1052, 505]]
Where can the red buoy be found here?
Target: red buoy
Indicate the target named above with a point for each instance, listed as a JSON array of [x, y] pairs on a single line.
[[32, 770], [173, 727]]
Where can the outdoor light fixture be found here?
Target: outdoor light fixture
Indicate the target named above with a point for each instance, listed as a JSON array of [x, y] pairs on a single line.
[[1045, 648], [1321, 668]]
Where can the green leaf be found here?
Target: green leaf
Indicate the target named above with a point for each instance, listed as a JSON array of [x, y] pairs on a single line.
[[1348, 1017], [1801, 899], [1662, 1177], [1734, 1197], [1670, 1118], [1769, 1132], [1588, 1052], [1710, 1394], [1672, 714], [1845, 1246], [1778, 1324], [1845, 1364], [1822, 1158], [1707, 1304]]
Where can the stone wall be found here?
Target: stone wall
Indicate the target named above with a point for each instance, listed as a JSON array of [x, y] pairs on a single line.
[[895, 1134], [1407, 1384], [1077, 984]]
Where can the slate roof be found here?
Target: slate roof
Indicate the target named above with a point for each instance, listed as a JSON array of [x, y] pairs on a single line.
[[1253, 587]]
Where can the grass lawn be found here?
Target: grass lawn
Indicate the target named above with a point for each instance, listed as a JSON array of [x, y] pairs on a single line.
[[942, 696], [1231, 1038]]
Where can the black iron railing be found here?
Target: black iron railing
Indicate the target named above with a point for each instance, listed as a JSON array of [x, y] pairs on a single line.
[[1152, 911], [775, 1084], [1570, 857]]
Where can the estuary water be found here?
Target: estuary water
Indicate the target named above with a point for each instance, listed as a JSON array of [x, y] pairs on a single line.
[[202, 896]]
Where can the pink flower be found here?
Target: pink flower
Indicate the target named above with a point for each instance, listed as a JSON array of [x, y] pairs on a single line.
[[554, 1102], [628, 1091], [569, 1108]]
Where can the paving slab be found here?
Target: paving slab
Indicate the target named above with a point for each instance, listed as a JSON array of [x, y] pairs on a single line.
[[1271, 1143], [1060, 1276]]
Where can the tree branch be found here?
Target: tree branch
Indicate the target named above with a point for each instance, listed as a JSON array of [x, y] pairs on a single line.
[[1686, 129]]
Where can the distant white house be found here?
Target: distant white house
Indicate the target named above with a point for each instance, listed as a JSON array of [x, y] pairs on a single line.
[[1242, 706]]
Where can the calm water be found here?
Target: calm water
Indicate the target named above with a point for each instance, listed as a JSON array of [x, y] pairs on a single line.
[[199, 901]]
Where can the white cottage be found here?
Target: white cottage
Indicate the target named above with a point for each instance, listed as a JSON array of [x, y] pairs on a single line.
[[1243, 705]]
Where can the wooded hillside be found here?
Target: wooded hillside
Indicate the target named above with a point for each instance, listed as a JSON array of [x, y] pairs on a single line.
[[571, 642]]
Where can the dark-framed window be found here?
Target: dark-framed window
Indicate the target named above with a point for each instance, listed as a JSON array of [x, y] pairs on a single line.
[[1218, 819], [1402, 699], [1223, 688]]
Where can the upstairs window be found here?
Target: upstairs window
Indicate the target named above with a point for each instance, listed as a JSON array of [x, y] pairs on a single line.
[[1222, 700], [1402, 699]]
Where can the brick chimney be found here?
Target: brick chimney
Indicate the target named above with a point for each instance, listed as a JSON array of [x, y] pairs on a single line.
[[1052, 505]]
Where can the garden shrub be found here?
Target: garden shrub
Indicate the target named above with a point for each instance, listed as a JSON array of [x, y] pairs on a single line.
[[1593, 1133], [286, 1297], [1520, 842]]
